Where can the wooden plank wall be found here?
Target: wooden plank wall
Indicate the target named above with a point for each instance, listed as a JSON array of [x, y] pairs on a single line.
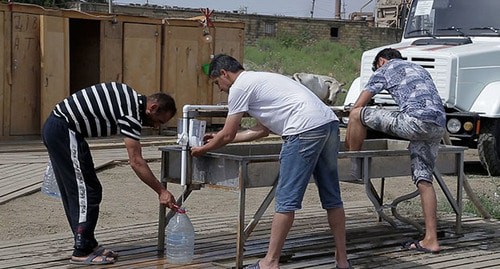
[[54, 40], [180, 62], [25, 91], [184, 53], [3, 73], [111, 57], [141, 57], [227, 41], [149, 54]]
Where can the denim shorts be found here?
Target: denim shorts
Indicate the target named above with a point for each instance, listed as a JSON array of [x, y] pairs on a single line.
[[424, 137], [311, 153]]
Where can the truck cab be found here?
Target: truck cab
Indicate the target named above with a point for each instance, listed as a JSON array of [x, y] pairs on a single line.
[[458, 42]]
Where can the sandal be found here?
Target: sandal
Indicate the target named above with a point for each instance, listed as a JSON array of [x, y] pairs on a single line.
[[91, 258], [349, 265], [415, 245], [100, 250], [253, 266]]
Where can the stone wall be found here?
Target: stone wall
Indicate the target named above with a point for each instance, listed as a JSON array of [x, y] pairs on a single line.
[[359, 34]]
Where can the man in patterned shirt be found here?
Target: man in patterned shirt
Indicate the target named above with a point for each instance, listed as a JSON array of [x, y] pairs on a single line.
[[420, 119], [98, 111]]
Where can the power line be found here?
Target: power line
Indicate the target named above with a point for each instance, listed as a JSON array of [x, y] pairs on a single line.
[[312, 8]]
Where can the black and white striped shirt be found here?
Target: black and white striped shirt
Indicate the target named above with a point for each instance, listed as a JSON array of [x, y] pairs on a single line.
[[103, 110]]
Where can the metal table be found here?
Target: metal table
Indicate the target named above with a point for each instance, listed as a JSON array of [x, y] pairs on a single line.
[[241, 166]]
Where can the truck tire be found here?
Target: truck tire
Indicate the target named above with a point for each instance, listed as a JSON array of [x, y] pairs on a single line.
[[488, 146]]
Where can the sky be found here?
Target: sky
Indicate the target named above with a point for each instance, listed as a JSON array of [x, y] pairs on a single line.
[[296, 8]]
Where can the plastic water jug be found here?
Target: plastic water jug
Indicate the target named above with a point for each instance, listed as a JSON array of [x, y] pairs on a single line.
[[49, 185], [179, 239]]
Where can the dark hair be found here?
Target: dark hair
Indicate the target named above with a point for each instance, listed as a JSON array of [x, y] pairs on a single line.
[[388, 54], [165, 102], [223, 61]]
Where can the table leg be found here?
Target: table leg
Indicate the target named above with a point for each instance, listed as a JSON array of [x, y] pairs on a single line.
[[262, 209], [240, 236], [372, 194]]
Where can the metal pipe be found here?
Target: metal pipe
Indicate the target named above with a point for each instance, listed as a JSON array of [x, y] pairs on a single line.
[[184, 140], [338, 7], [110, 6]]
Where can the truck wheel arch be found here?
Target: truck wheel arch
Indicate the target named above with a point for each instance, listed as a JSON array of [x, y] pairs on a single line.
[[488, 102]]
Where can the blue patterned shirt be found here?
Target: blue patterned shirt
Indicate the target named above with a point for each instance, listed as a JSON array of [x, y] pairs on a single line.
[[412, 88]]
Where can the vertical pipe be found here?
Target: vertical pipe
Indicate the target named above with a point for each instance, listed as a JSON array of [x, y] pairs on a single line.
[[185, 148], [338, 6], [110, 6], [185, 145], [312, 8]]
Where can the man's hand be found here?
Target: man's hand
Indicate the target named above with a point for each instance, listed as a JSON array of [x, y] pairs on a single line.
[[197, 151], [208, 137], [167, 199]]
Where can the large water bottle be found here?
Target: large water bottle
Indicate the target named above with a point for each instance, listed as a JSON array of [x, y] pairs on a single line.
[[49, 185], [179, 239]]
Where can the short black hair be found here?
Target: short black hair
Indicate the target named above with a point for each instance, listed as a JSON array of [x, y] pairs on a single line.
[[165, 102], [223, 61], [387, 53]]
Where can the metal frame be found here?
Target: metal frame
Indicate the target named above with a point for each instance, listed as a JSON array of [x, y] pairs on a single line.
[[368, 171]]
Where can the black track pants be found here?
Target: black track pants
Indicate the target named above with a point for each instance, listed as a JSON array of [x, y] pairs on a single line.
[[81, 191]]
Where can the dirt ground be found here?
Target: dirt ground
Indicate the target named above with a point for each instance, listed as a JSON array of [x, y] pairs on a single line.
[[126, 200]]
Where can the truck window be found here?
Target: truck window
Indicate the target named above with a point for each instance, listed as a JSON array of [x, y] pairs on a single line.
[[453, 18]]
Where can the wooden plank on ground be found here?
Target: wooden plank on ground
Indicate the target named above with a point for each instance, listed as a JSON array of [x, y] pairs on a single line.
[[309, 244], [21, 173]]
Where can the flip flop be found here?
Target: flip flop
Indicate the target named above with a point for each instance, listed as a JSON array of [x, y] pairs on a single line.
[[253, 266], [415, 245], [100, 250], [349, 266], [90, 260]]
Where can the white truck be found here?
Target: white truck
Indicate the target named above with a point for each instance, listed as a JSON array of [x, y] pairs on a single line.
[[458, 42]]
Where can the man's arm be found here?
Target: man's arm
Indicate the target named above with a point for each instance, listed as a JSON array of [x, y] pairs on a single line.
[[254, 133], [363, 99], [142, 170], [223, 137]]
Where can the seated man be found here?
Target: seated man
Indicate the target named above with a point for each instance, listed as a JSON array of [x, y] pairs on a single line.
[[420, 119]]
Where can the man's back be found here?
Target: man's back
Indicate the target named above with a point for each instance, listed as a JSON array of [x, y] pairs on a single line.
[[281, 104], [412, 89], [103, 110]]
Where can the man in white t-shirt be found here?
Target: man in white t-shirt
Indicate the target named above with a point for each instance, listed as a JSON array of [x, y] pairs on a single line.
[[311, 140]]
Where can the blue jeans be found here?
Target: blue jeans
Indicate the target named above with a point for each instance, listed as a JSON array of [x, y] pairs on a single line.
[[312, 153]]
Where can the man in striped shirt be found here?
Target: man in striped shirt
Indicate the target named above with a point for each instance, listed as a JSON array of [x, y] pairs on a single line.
[[97, 111]]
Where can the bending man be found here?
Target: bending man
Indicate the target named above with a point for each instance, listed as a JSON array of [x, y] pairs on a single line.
[[420, 119], [97, 111], [310, 145]]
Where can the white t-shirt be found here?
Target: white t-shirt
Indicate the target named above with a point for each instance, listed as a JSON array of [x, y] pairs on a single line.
[[283, 105]]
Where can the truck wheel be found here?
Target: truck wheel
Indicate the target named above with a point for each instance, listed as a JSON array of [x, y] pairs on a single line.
[[488, 146]]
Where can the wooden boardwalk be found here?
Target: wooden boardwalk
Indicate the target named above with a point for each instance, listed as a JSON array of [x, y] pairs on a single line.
[[371, 244]]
